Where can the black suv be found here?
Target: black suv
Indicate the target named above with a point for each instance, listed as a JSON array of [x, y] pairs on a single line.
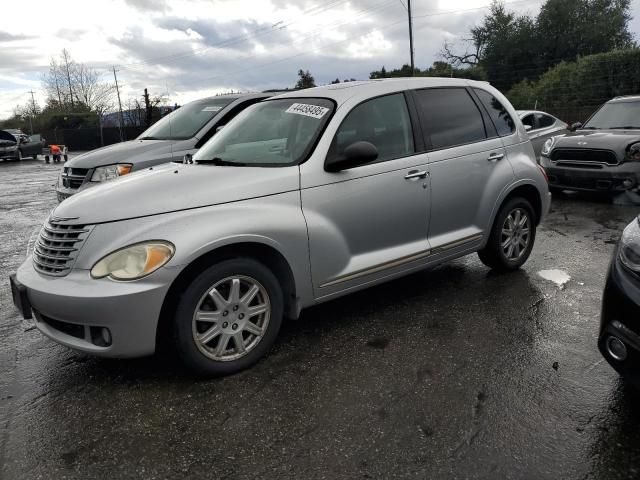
[[601, 155]]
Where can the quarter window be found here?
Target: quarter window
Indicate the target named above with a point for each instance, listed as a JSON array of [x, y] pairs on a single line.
[[383, 121], [500, 116], [450, 117]]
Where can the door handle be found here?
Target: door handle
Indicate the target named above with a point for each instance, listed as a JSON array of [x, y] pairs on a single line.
[[415, 174], [495, 156]]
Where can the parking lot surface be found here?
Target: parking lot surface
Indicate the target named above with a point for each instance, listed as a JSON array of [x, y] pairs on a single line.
[[455, 372]]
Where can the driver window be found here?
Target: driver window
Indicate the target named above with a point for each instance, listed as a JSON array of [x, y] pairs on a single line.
[[382, 121]]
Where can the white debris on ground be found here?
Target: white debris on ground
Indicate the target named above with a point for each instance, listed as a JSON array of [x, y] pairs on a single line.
[[559, 277]]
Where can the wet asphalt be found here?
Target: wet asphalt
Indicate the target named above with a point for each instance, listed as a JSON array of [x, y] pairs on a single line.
[[455, 372]]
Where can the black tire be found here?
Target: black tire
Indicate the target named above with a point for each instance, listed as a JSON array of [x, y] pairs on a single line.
[[493, 255], [46, 159], [185, 343]]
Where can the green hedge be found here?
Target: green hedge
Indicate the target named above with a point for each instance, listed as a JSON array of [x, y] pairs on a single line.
[[572, 90]]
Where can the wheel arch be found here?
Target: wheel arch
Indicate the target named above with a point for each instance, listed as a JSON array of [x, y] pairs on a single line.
[[526, 190], [261, 252]]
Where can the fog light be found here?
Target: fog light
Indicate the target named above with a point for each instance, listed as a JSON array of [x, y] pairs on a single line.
[[616, 348], [101, 336], [106, 336]]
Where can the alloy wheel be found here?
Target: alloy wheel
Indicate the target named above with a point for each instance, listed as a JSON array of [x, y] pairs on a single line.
[[515, 236], [231, 318]]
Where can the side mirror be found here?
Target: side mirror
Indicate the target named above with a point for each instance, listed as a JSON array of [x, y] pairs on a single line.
[[528, 128], [355, 155], [188, 158], [575, 126], [24, 139]]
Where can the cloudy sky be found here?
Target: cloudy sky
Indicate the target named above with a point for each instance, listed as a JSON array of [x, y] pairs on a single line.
[[186, 49]]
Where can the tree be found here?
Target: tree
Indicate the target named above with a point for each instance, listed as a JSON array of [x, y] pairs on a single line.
[[337, 80], [511, 48], [305, 80], [69, 83]]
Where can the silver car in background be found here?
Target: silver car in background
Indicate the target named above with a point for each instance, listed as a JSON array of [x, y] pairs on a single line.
[[301, 199], [540, 127], [182, 131]]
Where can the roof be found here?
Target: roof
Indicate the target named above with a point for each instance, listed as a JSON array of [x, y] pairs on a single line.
[[341, 92]]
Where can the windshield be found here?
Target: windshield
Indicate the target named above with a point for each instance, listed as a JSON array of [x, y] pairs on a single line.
[[272, 133], [616, 115], [187, 120]]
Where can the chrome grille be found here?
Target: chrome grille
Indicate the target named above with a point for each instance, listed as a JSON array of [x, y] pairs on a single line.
[[57, 247], [73, 177]]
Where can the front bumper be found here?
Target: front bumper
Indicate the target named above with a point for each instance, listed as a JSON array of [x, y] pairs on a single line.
[[621, 318], [73, 310], [599, 178], [9, 154]]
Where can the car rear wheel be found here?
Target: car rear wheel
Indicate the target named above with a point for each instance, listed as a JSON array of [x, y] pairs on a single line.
[[512, 236], [228, 317]]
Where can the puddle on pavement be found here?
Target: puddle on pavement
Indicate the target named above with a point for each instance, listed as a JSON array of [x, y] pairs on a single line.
[[559, 277]]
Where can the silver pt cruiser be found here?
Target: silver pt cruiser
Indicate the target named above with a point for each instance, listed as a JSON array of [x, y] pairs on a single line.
[[300, 199]]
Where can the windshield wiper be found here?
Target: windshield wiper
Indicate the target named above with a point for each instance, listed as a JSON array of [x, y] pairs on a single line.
[[221, 163], [589, 128], [148, 138], [626, 127]]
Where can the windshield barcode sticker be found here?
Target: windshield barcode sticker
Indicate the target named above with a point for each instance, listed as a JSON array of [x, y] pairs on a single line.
[[212, 108], [308, 110]]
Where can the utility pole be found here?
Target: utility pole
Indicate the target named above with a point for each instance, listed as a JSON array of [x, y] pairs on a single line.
[[119, 104], [33, 111], [410, 36]]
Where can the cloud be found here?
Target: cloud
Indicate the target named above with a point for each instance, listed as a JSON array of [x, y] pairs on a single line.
[[8, 37], [148, 5]]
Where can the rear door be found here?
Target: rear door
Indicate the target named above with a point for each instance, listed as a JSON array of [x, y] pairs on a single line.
[[467, 163]]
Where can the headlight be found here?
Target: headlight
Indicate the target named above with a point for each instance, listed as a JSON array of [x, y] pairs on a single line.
[[633, 152], [135, 261], [629, 251], [548, 145], [110, 172]]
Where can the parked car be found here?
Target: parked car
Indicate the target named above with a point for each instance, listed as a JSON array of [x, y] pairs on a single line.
[[602, 155], [8, 146], [619, 339], [541, 126], [169, 139], [302, 198], [16, 145]]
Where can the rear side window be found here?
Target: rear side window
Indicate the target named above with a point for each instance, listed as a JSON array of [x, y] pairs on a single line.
[[383, 121], [545, 121], [501, 118], [450, 117]]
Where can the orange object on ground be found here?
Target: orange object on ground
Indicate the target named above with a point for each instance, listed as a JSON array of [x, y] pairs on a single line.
[[55, 149]]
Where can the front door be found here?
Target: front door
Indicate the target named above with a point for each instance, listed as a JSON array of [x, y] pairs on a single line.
[[369, 222]]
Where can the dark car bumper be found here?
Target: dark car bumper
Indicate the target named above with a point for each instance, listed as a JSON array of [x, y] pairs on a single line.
[[620, 321], [594, 178]]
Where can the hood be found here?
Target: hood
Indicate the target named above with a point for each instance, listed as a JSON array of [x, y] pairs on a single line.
[[133, 151], [615, 140], [174, 187], [6, 137]]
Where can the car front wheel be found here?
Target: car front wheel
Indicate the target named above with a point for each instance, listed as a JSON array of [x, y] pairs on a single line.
[[512, 236], [228, 317]]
